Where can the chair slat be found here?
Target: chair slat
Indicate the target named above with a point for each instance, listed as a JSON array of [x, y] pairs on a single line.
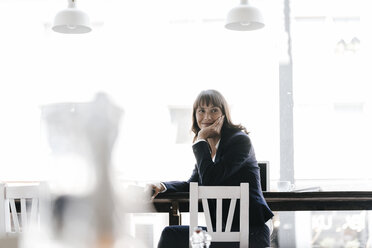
[[219, 216], [23, 212], [18, 192], [244, 215], [34, 207], [225, 236], [193, 207], [13, 211], [230, 215], [8, 227], [219, 192], [207, 215], [2, 209]]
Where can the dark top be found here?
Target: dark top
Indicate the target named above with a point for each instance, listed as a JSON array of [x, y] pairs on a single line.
[[235, 162]]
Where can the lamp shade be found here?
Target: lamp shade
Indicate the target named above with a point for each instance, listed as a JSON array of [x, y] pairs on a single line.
[[71, 21], [244, 18]]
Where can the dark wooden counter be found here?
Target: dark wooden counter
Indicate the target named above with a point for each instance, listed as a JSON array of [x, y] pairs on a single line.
[[176, 203], [319, 201]]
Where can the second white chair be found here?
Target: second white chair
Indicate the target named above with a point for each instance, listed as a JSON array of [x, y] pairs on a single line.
[[28, 197], [219, 193]]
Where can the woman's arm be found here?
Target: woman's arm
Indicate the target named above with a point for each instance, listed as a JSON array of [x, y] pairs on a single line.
[[182, 186]]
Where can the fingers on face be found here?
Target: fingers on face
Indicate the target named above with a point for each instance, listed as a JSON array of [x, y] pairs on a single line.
[[221, 119], [218, 121]]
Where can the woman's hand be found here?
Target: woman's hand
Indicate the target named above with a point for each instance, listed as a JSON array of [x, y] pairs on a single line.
[[213, 130], [156, 189]]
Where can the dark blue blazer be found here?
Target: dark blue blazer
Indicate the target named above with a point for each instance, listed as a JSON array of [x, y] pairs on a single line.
[[235, 162]]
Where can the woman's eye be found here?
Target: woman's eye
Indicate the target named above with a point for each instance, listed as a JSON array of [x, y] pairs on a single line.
[[201, 111], [214, 110]]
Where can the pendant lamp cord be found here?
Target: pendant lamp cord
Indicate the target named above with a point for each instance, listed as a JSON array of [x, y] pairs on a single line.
[[71, 3]]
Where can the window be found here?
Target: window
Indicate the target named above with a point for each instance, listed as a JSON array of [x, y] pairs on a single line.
[[149, 68]]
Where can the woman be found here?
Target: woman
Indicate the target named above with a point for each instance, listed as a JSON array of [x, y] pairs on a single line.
[[224, 157]]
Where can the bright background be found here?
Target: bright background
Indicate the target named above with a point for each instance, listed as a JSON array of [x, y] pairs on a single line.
[[154, 57]]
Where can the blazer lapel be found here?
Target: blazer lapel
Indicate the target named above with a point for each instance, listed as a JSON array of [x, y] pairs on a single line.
[[219, 150], [225, 137]]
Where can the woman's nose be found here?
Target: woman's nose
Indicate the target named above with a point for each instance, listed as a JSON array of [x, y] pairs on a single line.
[[207, 116]]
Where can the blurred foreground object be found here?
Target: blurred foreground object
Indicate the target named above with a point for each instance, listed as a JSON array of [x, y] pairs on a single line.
[[200, 238], [87, 208], [18, 219]]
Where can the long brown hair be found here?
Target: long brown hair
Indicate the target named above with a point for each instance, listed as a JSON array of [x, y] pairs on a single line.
[[216, 99]]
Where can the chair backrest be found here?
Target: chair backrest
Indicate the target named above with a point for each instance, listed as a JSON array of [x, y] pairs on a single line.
[[26, 198], [219, 193], [264, 175]]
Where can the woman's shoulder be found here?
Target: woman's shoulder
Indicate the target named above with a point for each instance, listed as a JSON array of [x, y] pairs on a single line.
[[235, 139], [235, 134]]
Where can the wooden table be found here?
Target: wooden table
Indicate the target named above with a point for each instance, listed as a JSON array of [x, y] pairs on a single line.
[[176, 203]]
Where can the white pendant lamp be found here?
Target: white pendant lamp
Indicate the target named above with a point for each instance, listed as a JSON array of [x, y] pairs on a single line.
[[244, 18], [71, 20]]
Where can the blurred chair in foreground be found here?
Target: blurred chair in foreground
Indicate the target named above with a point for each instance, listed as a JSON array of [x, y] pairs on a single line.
[[19, 208]]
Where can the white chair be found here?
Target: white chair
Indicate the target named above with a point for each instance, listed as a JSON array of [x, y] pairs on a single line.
[[219, 193], [28, 197]]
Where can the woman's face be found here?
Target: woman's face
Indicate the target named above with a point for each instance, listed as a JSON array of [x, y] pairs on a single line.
[[207, 115]]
